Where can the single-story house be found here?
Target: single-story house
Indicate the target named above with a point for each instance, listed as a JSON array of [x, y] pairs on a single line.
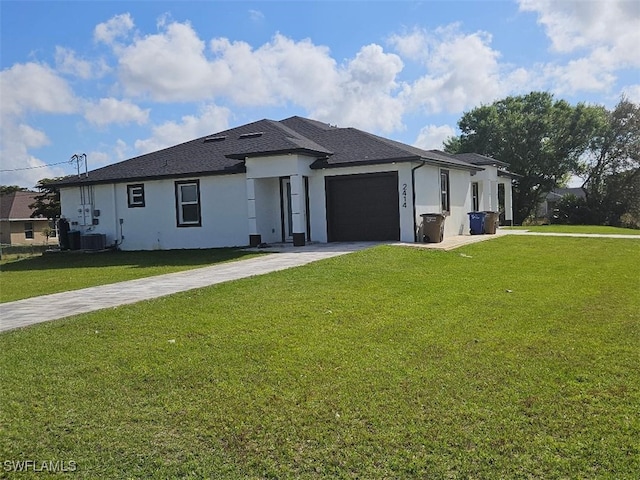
[[17, 227], [295, 180]]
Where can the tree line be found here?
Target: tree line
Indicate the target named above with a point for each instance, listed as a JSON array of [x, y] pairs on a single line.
[[547, 141]]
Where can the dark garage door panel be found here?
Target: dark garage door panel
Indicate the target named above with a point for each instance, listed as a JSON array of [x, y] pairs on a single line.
[[363, 207]]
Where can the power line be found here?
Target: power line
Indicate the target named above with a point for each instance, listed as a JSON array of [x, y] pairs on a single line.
[[38, 166]]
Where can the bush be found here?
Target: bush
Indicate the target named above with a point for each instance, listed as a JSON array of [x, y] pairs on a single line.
[[572, 210]]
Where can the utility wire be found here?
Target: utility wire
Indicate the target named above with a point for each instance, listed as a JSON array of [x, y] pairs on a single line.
[[38, 166]]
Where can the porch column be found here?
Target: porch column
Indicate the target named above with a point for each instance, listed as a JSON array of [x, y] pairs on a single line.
[[486, 195], [298, 210], [254, 237], [493, 206], [508, 203]]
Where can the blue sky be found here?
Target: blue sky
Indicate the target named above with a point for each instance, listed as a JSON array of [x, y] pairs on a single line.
[[117, 79]]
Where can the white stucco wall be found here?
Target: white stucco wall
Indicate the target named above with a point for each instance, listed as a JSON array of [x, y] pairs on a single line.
[[427, 180], [318, 206], [268, 216], [223, 202]]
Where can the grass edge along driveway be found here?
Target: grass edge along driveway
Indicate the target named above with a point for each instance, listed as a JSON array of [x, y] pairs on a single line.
[[66, 271], [515, 358]]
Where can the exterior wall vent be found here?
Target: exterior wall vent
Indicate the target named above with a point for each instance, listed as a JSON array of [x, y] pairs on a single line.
[[251, 135]]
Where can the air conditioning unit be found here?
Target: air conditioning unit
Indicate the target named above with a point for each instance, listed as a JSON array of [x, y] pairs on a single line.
[[93, 241]]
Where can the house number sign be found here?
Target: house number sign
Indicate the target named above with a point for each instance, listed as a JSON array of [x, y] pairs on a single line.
[[404, 195]]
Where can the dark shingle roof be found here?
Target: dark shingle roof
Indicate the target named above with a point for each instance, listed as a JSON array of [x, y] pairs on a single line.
[[224, 152], [477, 159], [15, 205]]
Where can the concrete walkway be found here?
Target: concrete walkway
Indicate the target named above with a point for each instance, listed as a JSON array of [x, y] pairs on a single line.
[[34, 310]]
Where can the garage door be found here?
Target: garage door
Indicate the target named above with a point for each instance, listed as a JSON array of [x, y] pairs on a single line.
[[363, 207]]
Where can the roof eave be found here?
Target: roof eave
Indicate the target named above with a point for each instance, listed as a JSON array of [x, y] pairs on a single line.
[[504, 173], [288, 151], [88, 181]]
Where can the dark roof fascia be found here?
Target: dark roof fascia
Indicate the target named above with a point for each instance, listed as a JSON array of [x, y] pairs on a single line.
[[88, 181], [304, 151], [321, 163], [478, 159], [504, 173], [452, 166]]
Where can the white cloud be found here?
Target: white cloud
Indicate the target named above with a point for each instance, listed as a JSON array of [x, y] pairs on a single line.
[[462, 70], [412, 45], [432, 136], [365, 93], [30, 88], [34, 87], [115, 28], [19, 167], [33, 138], [580, 75], [606, 34], [170, 66], [212, 119], [572, 25], [110, 110], [277, 72], [632, 92], [68, 63], [256, 15]]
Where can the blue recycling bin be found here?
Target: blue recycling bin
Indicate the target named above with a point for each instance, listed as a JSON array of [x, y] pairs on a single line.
[[476, 223]]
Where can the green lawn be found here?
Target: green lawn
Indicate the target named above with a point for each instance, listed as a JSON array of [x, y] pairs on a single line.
[[60, 272], [513, 358], [594, 229]]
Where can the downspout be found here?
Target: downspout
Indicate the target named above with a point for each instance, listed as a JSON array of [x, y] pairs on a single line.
[[413, 200]]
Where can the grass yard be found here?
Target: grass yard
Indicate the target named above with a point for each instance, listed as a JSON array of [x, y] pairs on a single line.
[[61, 272], [593, 229], [513, 358]]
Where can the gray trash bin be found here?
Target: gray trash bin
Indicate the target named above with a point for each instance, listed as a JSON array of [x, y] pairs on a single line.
[[432, 227], [490, 222]]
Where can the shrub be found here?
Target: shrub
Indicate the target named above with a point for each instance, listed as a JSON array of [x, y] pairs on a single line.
[[572, 210]]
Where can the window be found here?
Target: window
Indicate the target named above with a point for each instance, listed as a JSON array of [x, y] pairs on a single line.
[[475, 197], [53, 228], [28, 230], [135, 195], [188, 203], [444, 190]]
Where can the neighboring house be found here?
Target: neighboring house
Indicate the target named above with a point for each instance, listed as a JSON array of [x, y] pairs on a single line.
[[545, 209], [16, 225], [295, 180]]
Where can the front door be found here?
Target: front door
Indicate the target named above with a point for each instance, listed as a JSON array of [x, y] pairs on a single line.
[[287, 217]]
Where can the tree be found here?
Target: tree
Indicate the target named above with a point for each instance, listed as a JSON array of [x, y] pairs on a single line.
[[47, 203], [540, 138], [611, 168], [5, 189]]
